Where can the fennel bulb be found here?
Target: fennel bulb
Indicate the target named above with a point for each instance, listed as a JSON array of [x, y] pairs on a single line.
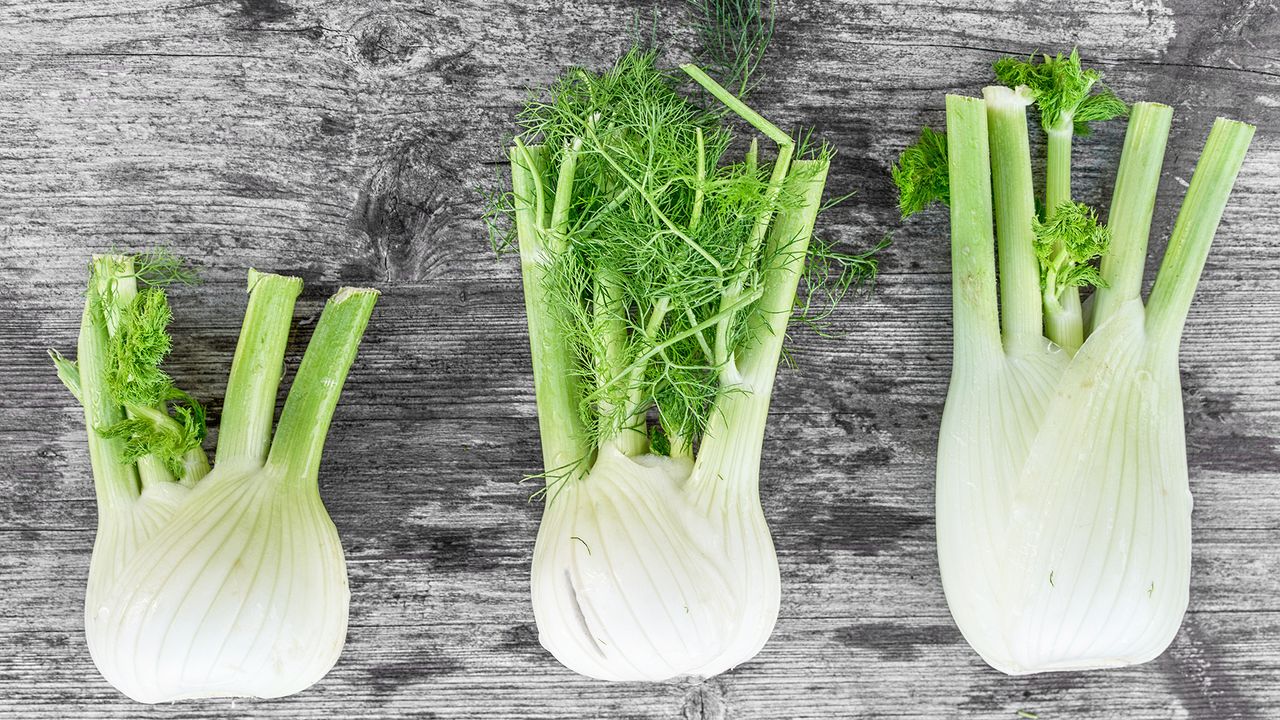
[[659, 277], [1063, 506], [222, 583]]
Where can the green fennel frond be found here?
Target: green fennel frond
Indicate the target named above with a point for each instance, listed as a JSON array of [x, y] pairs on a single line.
[[129, 299], [136, 349], [921, 173], [659, 443], [1102, 105], [734, 34], [1061, 88], [497, 206], [829, 276], [655, 259], [1066, 246], [555, 480], [168, 438], [160, 268]]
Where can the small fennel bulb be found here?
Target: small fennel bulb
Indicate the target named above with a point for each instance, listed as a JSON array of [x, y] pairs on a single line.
[[1063, 505], [221, 583], [659, 277]]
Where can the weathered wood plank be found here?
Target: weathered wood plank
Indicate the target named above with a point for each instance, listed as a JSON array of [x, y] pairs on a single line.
[[814, 668], [343, 142]]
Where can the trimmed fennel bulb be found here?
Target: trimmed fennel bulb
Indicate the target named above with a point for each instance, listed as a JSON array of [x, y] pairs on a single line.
[[659, 276], [221, 583], [1063, 506]]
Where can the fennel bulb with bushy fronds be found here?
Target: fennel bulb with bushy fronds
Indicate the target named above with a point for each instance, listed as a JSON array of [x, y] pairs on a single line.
[[227, 582], [659, 276]]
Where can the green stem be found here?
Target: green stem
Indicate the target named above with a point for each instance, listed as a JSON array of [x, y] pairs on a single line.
[[976, 323], [720, 350], [564, 187], [1014, 202], [1064, 318], [789, 242], [534, 161], [1132, 204], [786, 149], [115, 482], [738, 107], [698, 192], [636, 406], [702, 340], [608, 316], [250, 403], [304, 422], [596, 217], [680, 446], [645, 356], [728, 459], [1057, 186], [118, 271], [1193, 231], [560, 425]]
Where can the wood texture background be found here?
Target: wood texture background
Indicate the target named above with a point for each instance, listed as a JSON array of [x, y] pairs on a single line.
[[342, 141]]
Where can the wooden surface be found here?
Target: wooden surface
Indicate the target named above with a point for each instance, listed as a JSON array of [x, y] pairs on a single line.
[[342, 141]]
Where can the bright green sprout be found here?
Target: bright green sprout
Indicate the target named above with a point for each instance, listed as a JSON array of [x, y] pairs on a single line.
[[137, 348], [659, 443], [1063, 91], [1066, 245], [149, 433], [921, 173]]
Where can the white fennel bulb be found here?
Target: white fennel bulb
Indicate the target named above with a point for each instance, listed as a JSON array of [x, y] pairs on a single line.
[[227, 582], [654, 567], [1063, 506], [659, 276]]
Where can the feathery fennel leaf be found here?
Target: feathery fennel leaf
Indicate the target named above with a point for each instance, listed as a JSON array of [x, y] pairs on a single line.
[[1067, 244], [129, 299], [1102, 105], [168, 438], [136, 349], [1061, 88], [659, 222], [735, 34], [160, 268], [921, 173]]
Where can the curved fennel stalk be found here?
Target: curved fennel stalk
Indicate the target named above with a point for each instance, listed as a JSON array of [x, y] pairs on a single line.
[[231, 583], [1062, 501]]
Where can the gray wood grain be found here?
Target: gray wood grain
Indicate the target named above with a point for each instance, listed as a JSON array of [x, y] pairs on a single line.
[[342, 141]]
